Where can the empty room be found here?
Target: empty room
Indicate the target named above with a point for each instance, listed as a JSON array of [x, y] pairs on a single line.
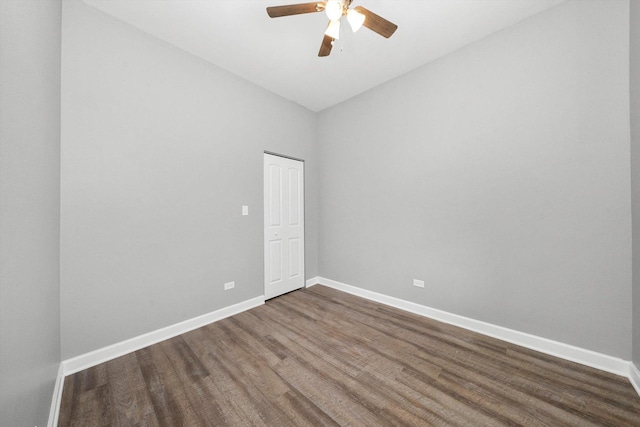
[[344, 213]]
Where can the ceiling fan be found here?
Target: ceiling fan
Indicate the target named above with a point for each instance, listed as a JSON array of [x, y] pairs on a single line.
[[336, 9]]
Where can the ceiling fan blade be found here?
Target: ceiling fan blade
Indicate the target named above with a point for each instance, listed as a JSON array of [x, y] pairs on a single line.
[[294, 9], [377, 23], [325, 47]]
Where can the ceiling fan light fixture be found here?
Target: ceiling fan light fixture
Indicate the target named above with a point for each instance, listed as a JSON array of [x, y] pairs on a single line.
[[356, 19], [333, 9], [333, 29]]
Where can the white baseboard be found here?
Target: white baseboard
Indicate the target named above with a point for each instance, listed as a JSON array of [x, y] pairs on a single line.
[[634, 377], [84, 361], [313, 281], [544, 345], [56, 399]]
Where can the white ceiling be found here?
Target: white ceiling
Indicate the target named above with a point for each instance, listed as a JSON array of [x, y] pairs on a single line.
[[281, 54]]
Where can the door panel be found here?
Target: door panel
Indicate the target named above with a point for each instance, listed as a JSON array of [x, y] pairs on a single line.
[[294, 197], [283, 225], [275, 195], [275, 256], [294, 257]]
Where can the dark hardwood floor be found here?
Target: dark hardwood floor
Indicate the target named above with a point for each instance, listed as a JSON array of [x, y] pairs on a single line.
[[322, 357]]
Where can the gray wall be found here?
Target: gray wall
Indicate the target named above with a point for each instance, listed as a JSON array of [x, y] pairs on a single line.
[[29, 209], [499, 175], [635, 169], [159, 152]]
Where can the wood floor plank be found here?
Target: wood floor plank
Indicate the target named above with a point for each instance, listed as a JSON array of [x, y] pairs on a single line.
[[68, 401], [209, 396], [302, 411], [165, 387], [320, 357], [130, 400], [333, 398]]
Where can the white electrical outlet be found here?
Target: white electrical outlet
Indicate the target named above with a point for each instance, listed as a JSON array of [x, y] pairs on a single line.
[[418, 283], [229, 285]]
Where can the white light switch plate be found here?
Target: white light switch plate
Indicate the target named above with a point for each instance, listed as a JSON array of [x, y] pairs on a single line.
[[245, 210]]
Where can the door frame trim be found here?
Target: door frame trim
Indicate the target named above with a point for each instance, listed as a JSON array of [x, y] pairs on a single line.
[[271, 153]]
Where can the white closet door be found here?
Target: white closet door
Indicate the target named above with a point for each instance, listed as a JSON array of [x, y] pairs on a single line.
[[283, 225]]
